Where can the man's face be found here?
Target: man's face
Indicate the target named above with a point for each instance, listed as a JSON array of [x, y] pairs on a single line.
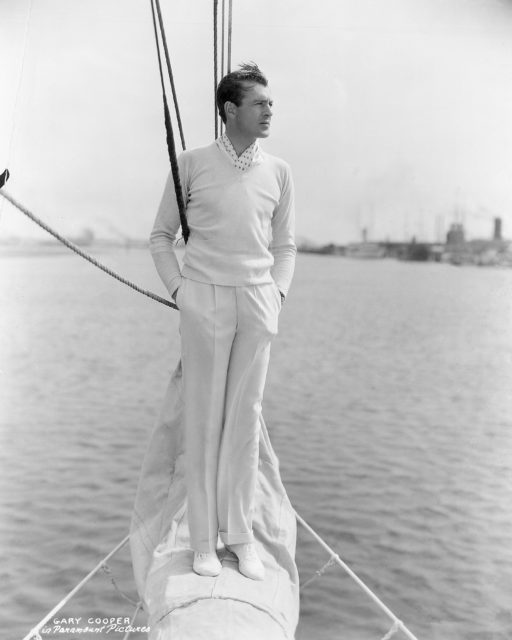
[[252, 117]]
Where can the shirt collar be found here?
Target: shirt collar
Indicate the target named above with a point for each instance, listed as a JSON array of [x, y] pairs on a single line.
[[245, 160]]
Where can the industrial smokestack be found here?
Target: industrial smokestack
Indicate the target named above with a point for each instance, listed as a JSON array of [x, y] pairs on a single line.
[[497, 228]]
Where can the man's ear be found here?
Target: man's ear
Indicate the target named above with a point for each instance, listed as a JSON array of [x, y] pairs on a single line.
[[230, 109]]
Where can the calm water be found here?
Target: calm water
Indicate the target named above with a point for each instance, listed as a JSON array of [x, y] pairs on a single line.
[[388, 402]]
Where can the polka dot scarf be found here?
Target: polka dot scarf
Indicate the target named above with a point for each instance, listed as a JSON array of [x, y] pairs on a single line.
[[246, 159]]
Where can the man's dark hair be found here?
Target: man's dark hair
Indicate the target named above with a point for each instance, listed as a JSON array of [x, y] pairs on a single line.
[[232, 88]]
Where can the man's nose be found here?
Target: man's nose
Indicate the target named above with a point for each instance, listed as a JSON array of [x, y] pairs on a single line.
[[268, 110]]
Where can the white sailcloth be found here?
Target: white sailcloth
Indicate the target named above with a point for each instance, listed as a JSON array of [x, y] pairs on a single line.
[[182, 605]]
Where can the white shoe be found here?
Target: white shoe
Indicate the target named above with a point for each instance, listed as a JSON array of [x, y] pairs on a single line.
[[206, 563], [249, 563]]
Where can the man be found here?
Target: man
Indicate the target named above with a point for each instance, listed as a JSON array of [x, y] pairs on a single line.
[[237, 269]]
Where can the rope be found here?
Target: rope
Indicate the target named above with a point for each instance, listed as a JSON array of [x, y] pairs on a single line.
[[230, 28], [169, 70], [135, 614], [215, 64], [222, 67], [86, 256], [392, 631], [171, 147], [108, 572], [318, 573], [4, 177], [335, 557], [33, 634]]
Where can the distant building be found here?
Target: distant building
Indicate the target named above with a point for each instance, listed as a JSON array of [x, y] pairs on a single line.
[[365, 250], [455, 234], [482, 252], [497, 229]]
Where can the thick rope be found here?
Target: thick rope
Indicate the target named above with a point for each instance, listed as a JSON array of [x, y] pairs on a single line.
[[169, 70], [171, 147], [215, 64], [335, 557], [4, 177], [34, 632], [86, 256]]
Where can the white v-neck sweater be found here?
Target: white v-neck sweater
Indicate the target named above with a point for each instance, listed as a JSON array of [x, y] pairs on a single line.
[[241, 223]]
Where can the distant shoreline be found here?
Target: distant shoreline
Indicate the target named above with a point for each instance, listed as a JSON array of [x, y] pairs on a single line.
[[474, 252]]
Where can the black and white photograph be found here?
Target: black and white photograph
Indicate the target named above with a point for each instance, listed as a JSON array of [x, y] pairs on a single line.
[[256, 319]]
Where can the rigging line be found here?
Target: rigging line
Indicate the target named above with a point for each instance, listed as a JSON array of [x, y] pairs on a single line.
[[132, 621], [222, 66], [394, 629], [230, 28], [84, 255], [398, 623], [34, 632], [223, 46], [171, 147], [110, 575], [318, 574], [18, 88], [169, 70], [215, 37]]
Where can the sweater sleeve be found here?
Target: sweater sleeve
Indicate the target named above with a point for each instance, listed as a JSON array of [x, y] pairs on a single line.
[[163, 236], [283, 246]]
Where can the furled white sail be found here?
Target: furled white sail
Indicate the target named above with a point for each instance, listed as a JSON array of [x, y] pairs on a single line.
[[182, 605]]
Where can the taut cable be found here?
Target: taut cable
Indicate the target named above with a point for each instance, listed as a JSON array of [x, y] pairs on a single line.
[[397, 624]]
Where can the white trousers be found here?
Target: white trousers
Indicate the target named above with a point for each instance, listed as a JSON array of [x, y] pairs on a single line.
[[226, 333]]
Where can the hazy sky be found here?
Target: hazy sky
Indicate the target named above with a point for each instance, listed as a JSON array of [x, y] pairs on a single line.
[[395, 115]]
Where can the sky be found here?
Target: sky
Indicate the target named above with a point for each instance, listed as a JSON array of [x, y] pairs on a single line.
[[395, 115]]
